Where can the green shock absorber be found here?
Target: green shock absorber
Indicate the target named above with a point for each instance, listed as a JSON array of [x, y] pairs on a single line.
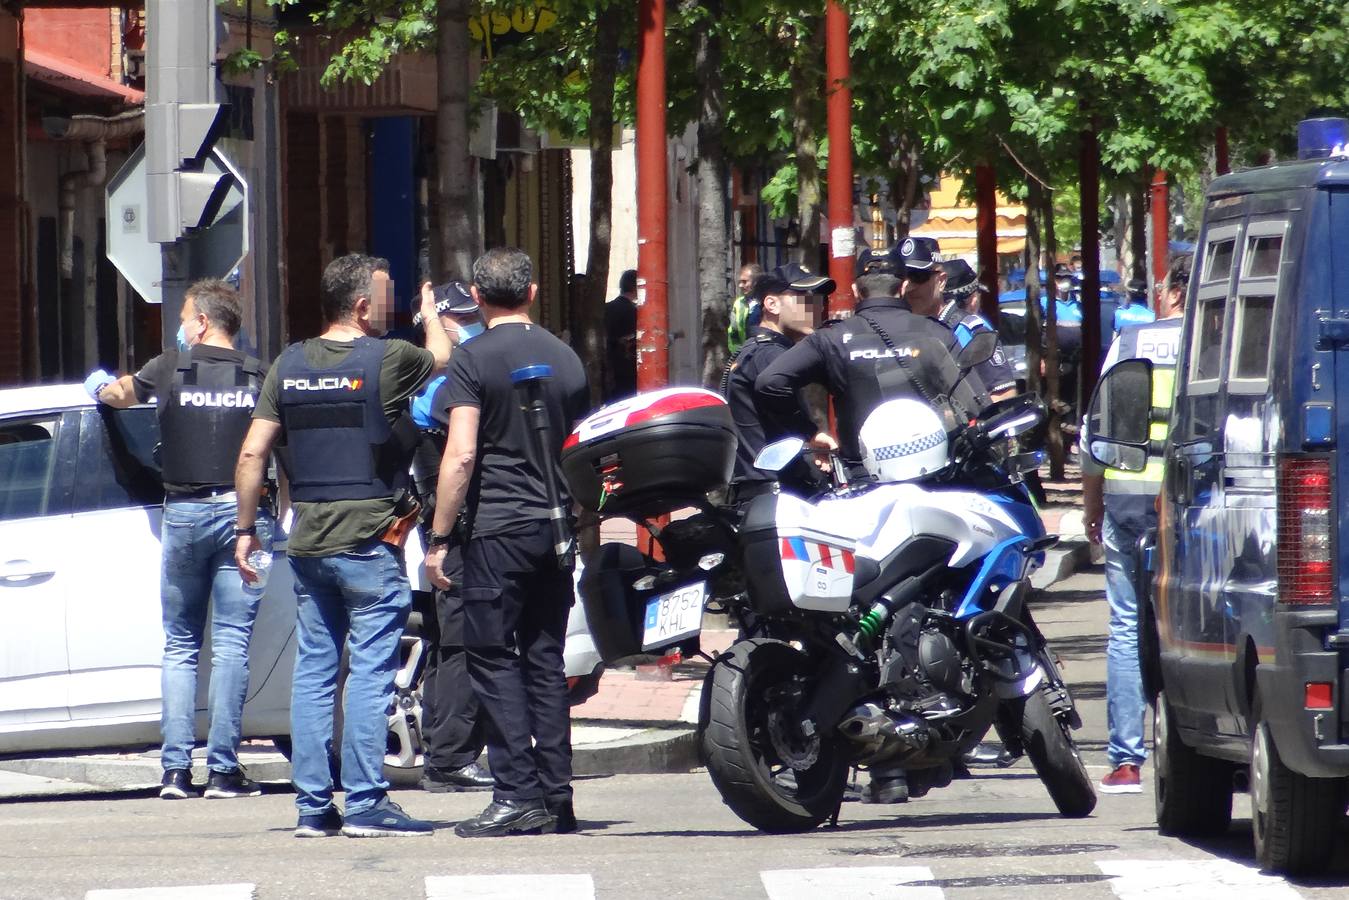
[[870, 624]]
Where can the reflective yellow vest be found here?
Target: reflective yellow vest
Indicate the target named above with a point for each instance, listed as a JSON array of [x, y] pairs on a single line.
[[1159, 342]]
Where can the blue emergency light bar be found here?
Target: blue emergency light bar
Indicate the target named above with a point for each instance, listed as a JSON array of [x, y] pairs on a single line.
[[1317, 138], [529, 373]]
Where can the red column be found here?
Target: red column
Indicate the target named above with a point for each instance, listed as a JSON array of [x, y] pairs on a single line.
[[653, 321], [1161, 235], [986, 223], [1222, 158], [840, 183]]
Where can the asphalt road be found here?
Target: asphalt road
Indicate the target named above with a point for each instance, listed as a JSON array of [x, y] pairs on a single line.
[[661, 836]]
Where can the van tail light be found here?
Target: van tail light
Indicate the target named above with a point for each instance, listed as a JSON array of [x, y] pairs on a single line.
[[1306, 546]]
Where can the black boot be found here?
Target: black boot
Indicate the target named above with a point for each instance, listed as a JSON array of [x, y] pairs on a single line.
[[471, 777], [561, 810], [507, 817]]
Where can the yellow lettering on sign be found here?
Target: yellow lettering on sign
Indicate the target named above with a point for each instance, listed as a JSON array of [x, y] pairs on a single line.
[[523, 19], [500, 23]]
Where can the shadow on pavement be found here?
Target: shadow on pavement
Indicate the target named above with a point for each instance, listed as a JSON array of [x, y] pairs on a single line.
[[1237, 845]]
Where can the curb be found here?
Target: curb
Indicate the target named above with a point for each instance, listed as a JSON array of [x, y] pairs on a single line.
[[1061, 562], [655, 752]]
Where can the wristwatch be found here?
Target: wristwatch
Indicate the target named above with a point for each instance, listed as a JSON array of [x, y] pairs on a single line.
[[435, 539], [250, 531]]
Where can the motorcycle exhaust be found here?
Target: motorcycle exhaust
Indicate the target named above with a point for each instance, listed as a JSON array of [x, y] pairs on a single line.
[[869, 721]]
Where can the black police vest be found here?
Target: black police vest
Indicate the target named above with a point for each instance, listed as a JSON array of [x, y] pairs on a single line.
[[203, 418], [339, 444]]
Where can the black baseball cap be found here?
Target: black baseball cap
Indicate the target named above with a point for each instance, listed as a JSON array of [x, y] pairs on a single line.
[[879, 262], [920, 254], [1137, 287], [961, 279], [790, 277]]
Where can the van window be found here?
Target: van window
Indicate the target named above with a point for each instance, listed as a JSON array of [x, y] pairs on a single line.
[[1250, 337], [1262, 256], [1218, 261], [1206, 356]]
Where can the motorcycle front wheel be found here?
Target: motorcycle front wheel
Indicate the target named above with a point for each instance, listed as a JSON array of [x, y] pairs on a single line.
[[768, 771], [1054, 755]]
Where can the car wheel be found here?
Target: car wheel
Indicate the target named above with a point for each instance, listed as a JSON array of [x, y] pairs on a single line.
[[1294, 818], [403, 754], [1193, 793]]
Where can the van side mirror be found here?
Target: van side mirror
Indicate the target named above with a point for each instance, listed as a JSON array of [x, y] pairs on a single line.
[[1119, 420]]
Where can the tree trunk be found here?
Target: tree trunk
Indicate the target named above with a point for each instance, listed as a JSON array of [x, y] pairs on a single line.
[[1089, 167], [1058, 454], [804, 130], [1034, 319], [588, 317], [904, 187], [714, 204], [456, 195], [1138, 227]]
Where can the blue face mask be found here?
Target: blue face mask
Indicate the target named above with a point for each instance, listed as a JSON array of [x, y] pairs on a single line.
[[469, 331], [183, 345]]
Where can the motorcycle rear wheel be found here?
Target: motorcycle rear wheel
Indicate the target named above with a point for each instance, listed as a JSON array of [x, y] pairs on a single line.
[[740, 743], [1055, 758]]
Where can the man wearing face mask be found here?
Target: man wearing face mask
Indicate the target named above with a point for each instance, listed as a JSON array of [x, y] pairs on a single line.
[[452, 726], [337, 406], [206, 392]]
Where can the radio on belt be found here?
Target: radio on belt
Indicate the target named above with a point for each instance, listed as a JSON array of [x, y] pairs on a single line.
[[652, 453]]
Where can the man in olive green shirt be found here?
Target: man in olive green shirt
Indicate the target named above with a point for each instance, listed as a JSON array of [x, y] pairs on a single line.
[[337, 407]]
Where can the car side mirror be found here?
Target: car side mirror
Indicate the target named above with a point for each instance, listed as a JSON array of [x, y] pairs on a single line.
[[1119, 419], [978, 351], [779, 454]]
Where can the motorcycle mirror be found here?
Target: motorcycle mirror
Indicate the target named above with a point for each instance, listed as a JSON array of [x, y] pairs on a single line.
[[779, 454], [979, 350]]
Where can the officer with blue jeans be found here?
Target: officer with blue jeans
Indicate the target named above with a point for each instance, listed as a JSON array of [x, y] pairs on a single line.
[[1118, 509], [336, 407], [206, 391]]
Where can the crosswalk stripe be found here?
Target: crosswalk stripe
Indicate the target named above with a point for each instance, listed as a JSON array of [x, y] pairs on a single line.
[[1192, 879], [509, 887], [853, 882], [185, 892]]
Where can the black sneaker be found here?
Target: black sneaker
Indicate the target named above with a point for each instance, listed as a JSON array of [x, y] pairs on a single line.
[[177, 785], [325, 824], [228, 785], [564, 814], [385, 819], [471, 777], [508, 817]]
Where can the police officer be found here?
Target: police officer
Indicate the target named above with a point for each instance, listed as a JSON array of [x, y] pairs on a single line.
[[883, 351], [338, 406], [516, 593], [206, 392], [744, 312], [790, 299], [1118, 508], [960, 313], [452, 718], [1134, 310]]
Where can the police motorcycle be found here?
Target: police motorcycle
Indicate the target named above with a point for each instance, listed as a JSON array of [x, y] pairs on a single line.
[[884, 619]]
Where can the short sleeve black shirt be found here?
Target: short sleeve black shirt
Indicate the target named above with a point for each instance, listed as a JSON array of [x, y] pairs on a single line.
[[507, 492]]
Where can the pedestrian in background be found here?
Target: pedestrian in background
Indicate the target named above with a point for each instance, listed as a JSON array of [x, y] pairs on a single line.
[[620, 339], [743, 310], [337, 405], [206, 391], [516, 595]]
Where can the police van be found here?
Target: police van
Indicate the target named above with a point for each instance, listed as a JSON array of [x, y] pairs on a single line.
[[1244, 605]]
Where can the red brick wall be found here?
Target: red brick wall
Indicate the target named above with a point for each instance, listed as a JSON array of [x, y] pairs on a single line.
[[83, 36]]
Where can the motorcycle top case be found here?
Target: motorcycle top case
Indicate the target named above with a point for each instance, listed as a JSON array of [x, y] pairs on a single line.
[[797, 556], [652, 453]]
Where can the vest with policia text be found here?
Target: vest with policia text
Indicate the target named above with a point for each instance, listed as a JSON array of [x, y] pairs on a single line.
[[338, 443], [1159, 342], [203, 418]]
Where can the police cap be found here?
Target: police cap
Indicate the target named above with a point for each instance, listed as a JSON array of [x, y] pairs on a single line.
[[961, 279], [920, 254], [790, 277], [879, 262], [452, 299]]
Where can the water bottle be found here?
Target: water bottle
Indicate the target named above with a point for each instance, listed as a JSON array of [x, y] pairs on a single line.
[[261, 562]]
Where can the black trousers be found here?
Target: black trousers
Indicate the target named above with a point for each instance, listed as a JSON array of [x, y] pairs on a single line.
[[516, 603], [452, 725]]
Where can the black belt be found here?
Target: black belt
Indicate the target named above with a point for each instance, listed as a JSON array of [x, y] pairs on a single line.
[[199, 494]]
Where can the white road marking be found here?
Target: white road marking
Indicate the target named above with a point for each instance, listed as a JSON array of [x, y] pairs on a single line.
[[852, 882], [509, 887], [186, 892], [1192, 879]]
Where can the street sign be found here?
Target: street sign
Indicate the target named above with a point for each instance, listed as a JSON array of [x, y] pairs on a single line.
[[213, 250]]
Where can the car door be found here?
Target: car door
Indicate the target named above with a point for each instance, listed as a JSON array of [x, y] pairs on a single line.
[[37, 558], [115, 634]]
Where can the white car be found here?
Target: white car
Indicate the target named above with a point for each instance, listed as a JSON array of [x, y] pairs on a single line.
[[80, 626]]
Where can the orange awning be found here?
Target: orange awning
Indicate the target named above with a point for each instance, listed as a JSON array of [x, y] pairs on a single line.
[[64, 75]]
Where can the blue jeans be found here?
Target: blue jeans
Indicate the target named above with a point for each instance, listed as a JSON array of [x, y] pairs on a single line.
[[361, 600], [199, 570], [1126, 518]]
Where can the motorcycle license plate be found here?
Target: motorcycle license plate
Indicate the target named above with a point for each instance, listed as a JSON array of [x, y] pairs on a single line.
[[674, 616]]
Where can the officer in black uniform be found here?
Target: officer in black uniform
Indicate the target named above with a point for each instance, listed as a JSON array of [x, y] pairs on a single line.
[[960, 313], [452, 718], [206, 392], [517, 590], [791, 299], [884, 351]]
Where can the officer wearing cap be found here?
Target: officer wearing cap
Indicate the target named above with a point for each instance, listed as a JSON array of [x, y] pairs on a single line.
[[1134, 310], [338, 406], [960, 313], [883, 351], [206, 392], [452, 722], [790, 300]]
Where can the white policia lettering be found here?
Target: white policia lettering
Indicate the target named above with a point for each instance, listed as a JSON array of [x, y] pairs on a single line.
[[234, 400], [907, 352], [328, 383]]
